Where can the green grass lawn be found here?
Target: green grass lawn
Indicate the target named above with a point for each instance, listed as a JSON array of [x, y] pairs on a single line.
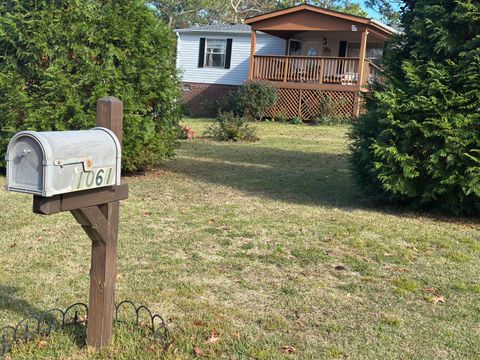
[[267, 245]]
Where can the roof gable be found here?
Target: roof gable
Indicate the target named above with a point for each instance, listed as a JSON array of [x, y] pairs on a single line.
[[308, 17], [307, 7]]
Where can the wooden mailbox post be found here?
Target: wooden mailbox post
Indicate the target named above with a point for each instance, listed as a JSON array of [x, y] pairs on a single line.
[[97, 211]]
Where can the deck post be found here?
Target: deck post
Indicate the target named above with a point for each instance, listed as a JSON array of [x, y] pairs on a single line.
[[285, 72], [253, 46], [363, 52], [361, 70], [322, 69]]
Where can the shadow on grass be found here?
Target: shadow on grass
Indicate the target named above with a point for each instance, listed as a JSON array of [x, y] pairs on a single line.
[[302, 177], [286, 175], [10, 302], [30, 314]]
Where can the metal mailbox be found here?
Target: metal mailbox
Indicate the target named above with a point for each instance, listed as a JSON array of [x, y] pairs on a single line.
[[59, 162]]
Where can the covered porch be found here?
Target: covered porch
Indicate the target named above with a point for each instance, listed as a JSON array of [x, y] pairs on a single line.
[[318, 71], [325, 50]]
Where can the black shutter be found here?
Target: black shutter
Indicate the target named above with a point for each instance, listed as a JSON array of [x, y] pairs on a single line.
[[228, 56], [201, 53], [342, 51]]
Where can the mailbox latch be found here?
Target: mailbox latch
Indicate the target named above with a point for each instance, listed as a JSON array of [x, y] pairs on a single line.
[[87, 163]]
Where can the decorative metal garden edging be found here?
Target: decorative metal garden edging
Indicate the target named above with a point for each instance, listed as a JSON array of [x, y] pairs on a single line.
[[42, 325]]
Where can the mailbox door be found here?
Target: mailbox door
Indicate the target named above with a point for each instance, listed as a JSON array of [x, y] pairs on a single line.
[[26, 171]]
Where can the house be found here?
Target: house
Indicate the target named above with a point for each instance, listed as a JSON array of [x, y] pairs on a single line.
[[214, 60], [306, 52]]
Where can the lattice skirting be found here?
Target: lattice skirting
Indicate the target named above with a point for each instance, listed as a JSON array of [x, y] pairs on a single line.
[[307, 103]]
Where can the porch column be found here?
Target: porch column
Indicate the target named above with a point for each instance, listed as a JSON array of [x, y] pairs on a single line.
[[361, 68], [253, 46], [363, 52]]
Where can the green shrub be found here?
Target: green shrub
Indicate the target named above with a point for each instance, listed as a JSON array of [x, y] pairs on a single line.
[[296, 120], [418, 142], [254, 98], [58, 57], [225, 103], [328, 111], [282, 117], [231, 127]]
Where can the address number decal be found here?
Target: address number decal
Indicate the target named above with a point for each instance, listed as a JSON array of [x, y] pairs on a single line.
[[94, 178]]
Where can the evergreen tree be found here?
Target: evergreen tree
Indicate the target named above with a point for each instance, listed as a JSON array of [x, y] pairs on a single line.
[[58, 57], [419, 141]]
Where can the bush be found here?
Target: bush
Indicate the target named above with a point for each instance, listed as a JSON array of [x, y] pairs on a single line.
[[281, 117], [296, 120], [231, 127], [327, 111], [418, 142], [59, 57], [254, 98], [224, 103]]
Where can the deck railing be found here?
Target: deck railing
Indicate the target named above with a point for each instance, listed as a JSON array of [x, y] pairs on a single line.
[[311, 69]]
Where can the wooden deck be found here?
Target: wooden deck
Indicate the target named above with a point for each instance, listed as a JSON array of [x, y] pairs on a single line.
[[303, 81], [308, 72]]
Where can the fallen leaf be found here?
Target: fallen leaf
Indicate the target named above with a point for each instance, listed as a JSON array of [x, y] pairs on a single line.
[[197, 351], [287, 349], [213, 338], [340, 268], [42, 344], [199, 323], [436, 297]]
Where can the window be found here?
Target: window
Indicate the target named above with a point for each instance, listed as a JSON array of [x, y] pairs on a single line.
[[215, 52], [374, 51]]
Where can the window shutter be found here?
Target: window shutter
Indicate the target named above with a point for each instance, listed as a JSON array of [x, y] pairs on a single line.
[[201, 53], [228, 56]]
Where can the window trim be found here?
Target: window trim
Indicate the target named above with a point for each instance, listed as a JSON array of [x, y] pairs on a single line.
[[205, 63]]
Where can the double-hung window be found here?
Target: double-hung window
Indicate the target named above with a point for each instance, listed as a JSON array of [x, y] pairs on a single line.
[[215, 52]]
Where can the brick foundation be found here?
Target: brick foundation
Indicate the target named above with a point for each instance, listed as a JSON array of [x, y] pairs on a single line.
[[199, 98]]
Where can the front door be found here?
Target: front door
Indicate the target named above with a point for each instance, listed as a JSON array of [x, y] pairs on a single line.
[[294, 47], [342, 52]]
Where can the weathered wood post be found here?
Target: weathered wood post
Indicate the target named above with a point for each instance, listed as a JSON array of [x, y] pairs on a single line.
[[79, 172], [103, 269]]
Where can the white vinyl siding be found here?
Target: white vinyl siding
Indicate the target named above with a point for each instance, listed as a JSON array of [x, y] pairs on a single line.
[[188, 50]]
